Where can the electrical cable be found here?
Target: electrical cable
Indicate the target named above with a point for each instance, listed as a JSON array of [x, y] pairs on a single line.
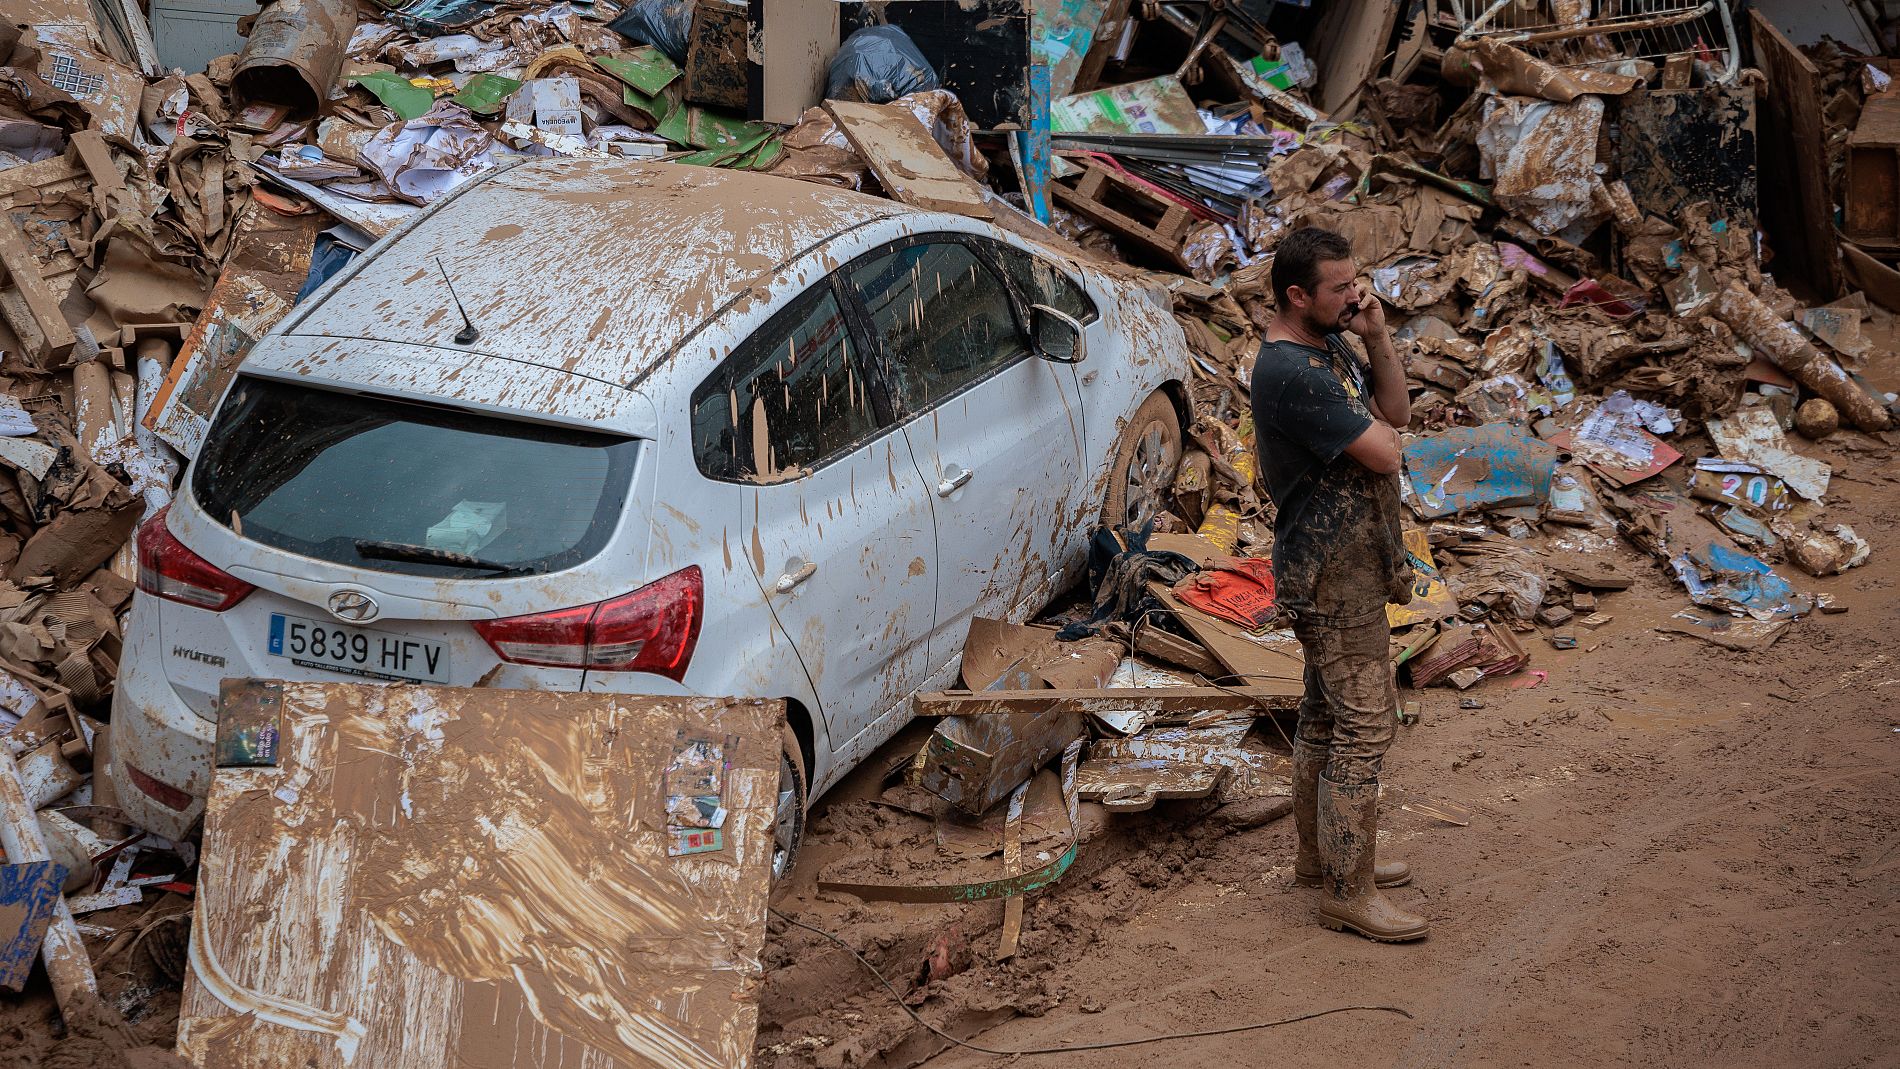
[[1203, 1034]]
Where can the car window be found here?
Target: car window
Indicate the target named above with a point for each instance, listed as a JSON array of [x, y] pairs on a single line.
[[327, 474], [788, 399], [942, 316], [1044, 283]]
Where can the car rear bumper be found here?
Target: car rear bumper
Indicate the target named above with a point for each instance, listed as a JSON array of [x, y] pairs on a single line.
[[161, 750]]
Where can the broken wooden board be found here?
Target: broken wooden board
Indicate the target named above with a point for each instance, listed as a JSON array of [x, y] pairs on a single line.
[[1247, 661], [40, 270], [1794, 159], [270, 258], [1167, 702], [1349, 47], [417, 876], [908, 162]]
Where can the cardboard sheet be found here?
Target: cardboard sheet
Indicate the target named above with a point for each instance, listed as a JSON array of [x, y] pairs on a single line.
[[413, 876], [269, 261]]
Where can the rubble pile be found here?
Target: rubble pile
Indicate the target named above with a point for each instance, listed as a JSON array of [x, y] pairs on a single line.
[[1595, 311]]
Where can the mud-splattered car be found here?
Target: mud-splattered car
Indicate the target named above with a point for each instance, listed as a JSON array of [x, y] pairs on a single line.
[[697, 432]]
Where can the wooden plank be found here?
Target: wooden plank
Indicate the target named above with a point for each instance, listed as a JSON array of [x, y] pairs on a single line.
[[1248, 661], [1089, 74], [1351, 47], [410, 877], [30, 306], [1012, 933], [1273, 696], [1180, 652], [1793, 159], [909, 163]]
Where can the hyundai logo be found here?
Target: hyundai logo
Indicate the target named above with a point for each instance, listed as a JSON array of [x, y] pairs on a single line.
[[353, 605]]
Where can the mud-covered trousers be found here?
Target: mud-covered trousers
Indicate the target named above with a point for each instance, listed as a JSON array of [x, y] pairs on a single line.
[[1351, 699]]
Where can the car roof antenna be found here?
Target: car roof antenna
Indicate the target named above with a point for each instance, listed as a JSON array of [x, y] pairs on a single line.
[[468, 333]]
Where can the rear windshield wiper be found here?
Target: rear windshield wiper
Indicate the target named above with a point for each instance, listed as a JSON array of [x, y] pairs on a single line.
[[370, 549]]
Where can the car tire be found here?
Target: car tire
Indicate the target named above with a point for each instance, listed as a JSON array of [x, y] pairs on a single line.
[[788, 819], [1147, 455]]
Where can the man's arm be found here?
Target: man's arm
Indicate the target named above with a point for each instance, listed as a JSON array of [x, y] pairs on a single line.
[[1377, 449], [1390, 400]]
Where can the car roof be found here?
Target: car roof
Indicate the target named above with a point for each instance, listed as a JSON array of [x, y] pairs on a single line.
[[597, 267]]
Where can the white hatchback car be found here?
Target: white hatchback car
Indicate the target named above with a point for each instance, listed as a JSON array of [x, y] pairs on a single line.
[[709, 433]]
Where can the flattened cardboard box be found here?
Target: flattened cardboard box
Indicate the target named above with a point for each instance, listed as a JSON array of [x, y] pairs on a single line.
[[416, 876]]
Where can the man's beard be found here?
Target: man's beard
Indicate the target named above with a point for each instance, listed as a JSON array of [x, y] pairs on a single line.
[[1319, 328]]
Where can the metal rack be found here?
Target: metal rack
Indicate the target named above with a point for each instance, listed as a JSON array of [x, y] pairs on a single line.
[[1565, 33]]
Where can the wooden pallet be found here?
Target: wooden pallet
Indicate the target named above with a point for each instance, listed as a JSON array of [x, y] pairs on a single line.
[[1128, 210]]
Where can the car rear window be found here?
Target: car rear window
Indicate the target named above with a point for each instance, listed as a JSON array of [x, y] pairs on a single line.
[[383, 484]]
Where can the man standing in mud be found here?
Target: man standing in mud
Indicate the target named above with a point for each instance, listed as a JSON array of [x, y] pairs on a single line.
[[1327, 426]]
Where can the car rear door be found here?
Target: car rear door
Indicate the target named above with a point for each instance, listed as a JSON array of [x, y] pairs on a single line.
[[835, 523], [996, 431]]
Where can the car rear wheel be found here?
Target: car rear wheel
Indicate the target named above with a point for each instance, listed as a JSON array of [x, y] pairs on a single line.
[[1146, 457], [788, 823]]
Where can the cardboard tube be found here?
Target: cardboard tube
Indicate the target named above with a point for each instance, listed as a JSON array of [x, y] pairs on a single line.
[[1781, 342]]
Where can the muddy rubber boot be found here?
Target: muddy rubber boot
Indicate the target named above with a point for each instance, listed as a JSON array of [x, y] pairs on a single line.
[[1348, 829], [1308, 762]]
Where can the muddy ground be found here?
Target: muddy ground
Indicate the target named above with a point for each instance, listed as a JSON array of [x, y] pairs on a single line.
[[1677, 855]]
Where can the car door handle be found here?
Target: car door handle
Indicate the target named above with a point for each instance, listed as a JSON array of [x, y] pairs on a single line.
[[790, 580], [955, 482]]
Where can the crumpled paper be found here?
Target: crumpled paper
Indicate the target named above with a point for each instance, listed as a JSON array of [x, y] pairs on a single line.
[[1541, 158], [422, 159]]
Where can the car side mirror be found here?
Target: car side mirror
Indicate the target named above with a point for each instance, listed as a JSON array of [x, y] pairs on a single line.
[[1058, 337]]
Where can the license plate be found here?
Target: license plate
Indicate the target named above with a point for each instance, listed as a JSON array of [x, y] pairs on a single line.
[[358, 651]]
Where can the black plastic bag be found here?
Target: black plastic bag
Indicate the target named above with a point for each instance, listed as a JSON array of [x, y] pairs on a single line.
[[876, 65], [664, 24]]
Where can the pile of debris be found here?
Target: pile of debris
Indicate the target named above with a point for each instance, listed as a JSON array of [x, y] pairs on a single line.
[[1585, 293]]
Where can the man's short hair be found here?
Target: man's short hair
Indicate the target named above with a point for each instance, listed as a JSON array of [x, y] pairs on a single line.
[[1296, 261]]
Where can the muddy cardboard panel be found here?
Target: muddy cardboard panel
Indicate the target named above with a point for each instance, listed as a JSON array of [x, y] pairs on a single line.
[[269, 260], [415, 876], [979, 49], [1678, 146]]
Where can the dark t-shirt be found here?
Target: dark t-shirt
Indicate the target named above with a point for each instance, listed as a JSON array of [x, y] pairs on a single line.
[[1336, 546]]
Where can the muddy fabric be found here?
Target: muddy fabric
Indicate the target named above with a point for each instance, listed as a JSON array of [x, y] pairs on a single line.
[[1120, 569], [1351, 699], [1334, 518]]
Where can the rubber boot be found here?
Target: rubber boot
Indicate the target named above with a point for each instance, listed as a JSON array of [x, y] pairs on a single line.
[[1309, 761], [1348, 828]]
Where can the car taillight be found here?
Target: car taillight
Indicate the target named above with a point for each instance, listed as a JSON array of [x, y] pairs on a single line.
[[169, 570], [163, 793], [653, 629]]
